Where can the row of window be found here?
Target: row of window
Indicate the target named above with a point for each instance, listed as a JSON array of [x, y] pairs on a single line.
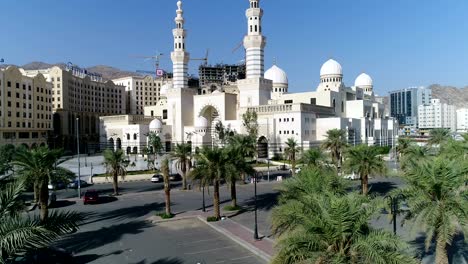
[[286, 119], [286, 132], [39, 107], [29, 125]]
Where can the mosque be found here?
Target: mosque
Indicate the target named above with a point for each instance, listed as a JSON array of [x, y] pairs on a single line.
[[183, 115]]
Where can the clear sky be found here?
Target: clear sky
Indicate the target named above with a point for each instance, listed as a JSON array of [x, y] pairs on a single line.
[[400, 43]]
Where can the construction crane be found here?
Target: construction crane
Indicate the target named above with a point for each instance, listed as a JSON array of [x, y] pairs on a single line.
[[205, 59], [237, 47], [156, 58]]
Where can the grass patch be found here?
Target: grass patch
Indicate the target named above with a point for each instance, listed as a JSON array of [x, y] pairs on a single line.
[[165, 216], [130, 173], [232, 208], [212, 219]]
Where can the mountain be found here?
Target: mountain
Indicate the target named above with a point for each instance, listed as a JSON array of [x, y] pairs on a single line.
[[450, 95], [36, 65]]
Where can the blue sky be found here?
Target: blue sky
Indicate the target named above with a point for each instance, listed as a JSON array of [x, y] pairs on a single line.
[[400, 43]]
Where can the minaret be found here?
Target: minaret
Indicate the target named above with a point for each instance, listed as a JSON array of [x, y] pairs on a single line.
[[254, 41], [255, 89], [179, 56]]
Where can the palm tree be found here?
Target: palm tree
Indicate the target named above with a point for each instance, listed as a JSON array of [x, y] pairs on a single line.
[[312, 157], [291, 152], [182, 155], [325, 228], [335, 142], [116, 165], [365, 161], [155, 141], [211, 168], [402, 146], [436, 196], [38, 165], [413, 155], [439, 136], [167, 185], [19, 233], [245, 144], [236, 167]]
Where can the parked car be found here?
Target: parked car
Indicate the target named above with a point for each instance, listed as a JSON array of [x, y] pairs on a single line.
[[90, 196], [74, 184], [45, 255], [157, 178], [352, 176], [56, 185], [296, 171], [283, 167], [52, 198], [175, 177]]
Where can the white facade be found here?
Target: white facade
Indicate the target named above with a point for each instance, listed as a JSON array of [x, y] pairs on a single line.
[[437, 115], [462, 120], [141, 92], [306, 116]]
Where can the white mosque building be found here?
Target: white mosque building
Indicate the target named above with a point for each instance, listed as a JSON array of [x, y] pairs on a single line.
[[182, 115]]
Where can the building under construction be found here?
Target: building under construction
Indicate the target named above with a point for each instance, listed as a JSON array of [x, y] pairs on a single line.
[[220, 74]]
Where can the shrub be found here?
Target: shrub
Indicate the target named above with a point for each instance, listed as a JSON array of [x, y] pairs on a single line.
[[165, 216], [212, 219], [232, 208]]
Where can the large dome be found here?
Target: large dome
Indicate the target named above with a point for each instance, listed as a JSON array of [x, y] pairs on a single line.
[[363, 80], [156, 124], [331, 67], [201, 123], [277, 75]]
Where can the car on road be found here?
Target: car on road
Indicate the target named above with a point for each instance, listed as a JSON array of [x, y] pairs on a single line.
[[157, 178], [90, 196], [56, 185], [283, 167], [175, 177], [296, 171], [352, 176], [74, 184]]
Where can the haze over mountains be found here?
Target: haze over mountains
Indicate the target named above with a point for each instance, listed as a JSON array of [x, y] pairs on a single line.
[[447, 94]]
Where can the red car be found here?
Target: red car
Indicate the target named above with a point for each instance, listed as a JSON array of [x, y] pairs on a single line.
[[90, 196]]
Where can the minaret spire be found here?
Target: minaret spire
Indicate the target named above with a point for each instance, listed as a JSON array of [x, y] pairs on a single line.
[[254, 41], [179, 56]]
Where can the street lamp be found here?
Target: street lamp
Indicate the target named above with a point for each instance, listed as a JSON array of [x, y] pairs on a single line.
[[78, 150], [256, 174], [394, 208]]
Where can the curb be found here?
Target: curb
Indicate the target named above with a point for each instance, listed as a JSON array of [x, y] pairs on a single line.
[[267, 258]]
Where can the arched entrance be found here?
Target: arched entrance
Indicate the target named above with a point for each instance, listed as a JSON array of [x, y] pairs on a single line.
[[129, 150], [135, 150], [34, 146], [42, 144], [262, 148], [119, 143], [110, 144], [212, 116]]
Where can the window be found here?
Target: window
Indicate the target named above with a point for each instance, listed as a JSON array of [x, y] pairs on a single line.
[[8, 84], [164, 114], [17, 85], [288, 101], [135, 136]]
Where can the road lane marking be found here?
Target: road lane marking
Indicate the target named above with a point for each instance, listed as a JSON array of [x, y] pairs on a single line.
[[198, 241], [208, 250]]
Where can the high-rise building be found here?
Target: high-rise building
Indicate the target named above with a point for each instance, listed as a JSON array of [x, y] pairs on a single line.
[[140, 92], [462, 120], [80, 96], [437, 115], [220, 74], [404, 104], [25, 108]]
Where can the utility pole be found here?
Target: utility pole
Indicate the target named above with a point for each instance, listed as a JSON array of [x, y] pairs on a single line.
[[78, 150]]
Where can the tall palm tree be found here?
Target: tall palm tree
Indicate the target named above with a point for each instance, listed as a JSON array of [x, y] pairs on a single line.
[[312, 157], [167, 185], [439, 136], [402, 146], [365, 161], [211, 168], [436, 196], [19, 233], [155, 141], [116, 165], [335, 142], [245, 144], [182, 155], [325, 228], [413, 155], [38, 165], [291, 151], [236, 167]]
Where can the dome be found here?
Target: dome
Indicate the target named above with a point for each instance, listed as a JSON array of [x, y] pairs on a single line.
[[201, 122], [216, 92], [276, 74], [331, 67], [156, 124], [363, 80]]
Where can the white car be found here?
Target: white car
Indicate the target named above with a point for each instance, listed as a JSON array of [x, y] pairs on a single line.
[[157, 178], [296, 171], [352, 176]]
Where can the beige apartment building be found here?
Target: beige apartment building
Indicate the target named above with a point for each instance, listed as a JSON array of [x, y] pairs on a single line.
[[25, 108], [79, 95], [141, 92]]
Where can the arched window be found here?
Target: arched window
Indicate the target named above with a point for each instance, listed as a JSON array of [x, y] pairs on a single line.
[[342, 107], [250, 28], [135, 136], [334, 103], [176, 45], [256, 28], [183, 45]]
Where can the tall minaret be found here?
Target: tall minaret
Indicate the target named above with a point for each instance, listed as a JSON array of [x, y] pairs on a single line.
[[179, 56], [254, 41]]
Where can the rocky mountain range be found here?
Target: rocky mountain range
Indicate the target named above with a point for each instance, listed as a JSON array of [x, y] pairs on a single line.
[[451, 95]]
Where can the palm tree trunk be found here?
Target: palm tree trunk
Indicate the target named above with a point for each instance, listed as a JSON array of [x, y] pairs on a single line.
[[184, 176], [217, 213], [293, 167], [37, 191], [115, 179], [167, 191], [364, 184], [441, 252], [233, 193], [44, 200]]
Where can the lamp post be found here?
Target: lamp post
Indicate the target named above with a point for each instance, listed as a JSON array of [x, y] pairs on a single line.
[[255, 201], [394, 208], [78, 151]]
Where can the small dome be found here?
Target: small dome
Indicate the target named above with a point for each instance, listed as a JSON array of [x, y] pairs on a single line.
[[201, 123], [277, 75], [363, 80], [331, 67], [156, 124], [216, 92]]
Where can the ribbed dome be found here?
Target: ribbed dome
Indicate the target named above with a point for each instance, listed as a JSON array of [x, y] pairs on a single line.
[[277, 75], [201, 123], [363, 80], [331, 67], [156, 124]]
